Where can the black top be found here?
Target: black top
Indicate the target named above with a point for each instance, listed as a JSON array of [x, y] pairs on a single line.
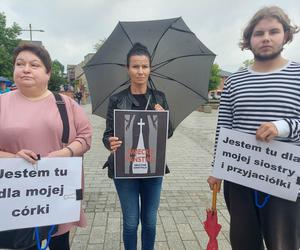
[[142, 100]]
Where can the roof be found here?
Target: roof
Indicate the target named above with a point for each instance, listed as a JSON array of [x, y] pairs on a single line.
[[38, 43], [224, 73]]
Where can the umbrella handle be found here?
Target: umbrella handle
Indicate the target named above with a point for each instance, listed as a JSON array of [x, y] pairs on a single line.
[[214, 198]]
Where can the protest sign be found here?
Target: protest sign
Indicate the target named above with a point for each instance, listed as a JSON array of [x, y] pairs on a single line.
[[144, 135], [45, 194], [273, 167]]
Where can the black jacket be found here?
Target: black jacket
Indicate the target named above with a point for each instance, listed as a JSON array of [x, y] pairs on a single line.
[[125, 100]]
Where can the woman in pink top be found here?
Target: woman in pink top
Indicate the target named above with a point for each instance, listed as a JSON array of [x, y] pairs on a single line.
[[30, 122]]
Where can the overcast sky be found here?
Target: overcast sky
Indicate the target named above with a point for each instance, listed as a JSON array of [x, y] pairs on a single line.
[[73, 27]]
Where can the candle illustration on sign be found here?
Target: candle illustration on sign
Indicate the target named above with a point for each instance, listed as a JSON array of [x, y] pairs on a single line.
[[140, 133], [140, 164]]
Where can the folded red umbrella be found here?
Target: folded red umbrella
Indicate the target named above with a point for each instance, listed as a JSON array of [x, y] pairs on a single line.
[[211, 225]]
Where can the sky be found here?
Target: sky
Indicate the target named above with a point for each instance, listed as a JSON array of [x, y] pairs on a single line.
[[73, 27]]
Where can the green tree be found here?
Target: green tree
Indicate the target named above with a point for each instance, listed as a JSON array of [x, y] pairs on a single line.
[[247, 63], [98, 45], [57, 76], [215, 78], [8, 42]]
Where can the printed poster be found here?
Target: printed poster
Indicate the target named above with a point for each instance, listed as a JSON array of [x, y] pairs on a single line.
[[47, 193], [144, 136], [273, 167]]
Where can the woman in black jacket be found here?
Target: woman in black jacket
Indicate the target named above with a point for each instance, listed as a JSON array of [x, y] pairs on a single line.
[[137, 97]]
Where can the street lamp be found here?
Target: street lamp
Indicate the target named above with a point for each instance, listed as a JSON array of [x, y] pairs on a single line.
[[30, 30]]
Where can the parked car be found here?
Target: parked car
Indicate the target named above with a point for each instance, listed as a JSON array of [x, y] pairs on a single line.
[[214, 94]]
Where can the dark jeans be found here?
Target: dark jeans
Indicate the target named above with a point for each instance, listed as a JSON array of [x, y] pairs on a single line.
[[60, 242], [277, 223], [131, 192]]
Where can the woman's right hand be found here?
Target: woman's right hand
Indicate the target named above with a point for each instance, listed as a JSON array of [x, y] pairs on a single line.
[[114, 143], [28, 155], [212, 181]]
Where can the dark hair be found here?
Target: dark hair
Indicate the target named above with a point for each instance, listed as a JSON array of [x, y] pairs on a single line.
[[138, 49], [39, 51], [268, 12]]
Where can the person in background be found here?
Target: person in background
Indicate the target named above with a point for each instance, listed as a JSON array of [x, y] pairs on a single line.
[[27, 130], [78, 96], [263, 100], [3, 88]]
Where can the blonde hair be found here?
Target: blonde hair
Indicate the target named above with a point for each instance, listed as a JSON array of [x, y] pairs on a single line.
[[268, 12]]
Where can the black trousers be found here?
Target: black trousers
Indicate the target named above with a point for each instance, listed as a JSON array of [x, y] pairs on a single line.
[[277, 223], [60, 242]]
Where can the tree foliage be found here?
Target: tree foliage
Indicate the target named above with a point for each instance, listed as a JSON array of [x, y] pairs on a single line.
[[247, 63], [98, 45], [215, 78], [57, 76], [8, 42]]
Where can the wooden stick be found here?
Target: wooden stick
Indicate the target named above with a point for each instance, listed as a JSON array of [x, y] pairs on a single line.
[[214, 198]]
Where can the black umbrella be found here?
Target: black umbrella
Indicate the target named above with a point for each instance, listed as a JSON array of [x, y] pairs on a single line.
[[180, 65]]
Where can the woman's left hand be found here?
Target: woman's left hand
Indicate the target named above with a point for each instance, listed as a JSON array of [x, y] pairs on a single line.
[[158, 107]]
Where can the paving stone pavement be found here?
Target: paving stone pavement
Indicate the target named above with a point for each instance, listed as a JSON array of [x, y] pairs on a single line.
[[184, 199]]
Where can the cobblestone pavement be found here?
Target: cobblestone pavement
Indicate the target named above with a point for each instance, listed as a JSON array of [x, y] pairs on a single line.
[[185, 194]]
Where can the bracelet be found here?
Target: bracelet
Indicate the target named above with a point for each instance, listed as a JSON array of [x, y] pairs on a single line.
[[71, 151]]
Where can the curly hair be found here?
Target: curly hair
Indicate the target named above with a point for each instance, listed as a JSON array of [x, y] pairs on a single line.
[[268, 12]]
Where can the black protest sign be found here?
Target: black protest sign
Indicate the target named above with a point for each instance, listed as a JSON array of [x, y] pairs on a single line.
[[143, 151]]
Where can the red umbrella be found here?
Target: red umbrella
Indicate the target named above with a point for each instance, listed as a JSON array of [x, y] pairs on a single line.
[[211, 225]]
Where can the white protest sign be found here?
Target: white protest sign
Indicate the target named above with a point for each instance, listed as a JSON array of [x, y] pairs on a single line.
[[45, 194], [272, 167]]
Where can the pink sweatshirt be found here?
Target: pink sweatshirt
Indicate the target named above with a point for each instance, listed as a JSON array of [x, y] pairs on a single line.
[[37, 126]]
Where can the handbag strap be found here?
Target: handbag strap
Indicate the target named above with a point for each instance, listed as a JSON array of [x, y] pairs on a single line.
[[61, 105]]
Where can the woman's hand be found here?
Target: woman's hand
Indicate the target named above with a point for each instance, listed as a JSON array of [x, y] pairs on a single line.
[[114, 143], [28, 155], [266, 131], [212, 181], [158, 107]]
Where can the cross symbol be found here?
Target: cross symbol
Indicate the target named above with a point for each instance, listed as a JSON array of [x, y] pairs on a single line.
[[141, 123]]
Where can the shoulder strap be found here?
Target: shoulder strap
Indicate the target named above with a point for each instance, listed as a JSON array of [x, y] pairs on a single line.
[[61, 105]]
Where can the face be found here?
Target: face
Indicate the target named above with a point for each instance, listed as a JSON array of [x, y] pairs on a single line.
[[139, 69], [3, 85], [30, 72], [267, 39]]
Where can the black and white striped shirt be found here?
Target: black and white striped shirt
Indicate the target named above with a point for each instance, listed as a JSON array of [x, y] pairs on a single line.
[[250, 98]]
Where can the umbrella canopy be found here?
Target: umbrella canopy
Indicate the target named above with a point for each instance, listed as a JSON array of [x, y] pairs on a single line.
[[211, 225], [7, 81], [180, 63]]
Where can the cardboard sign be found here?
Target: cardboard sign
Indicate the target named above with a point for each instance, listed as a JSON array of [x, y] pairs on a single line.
[[273, 167], [144, 135], [45, 194]]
